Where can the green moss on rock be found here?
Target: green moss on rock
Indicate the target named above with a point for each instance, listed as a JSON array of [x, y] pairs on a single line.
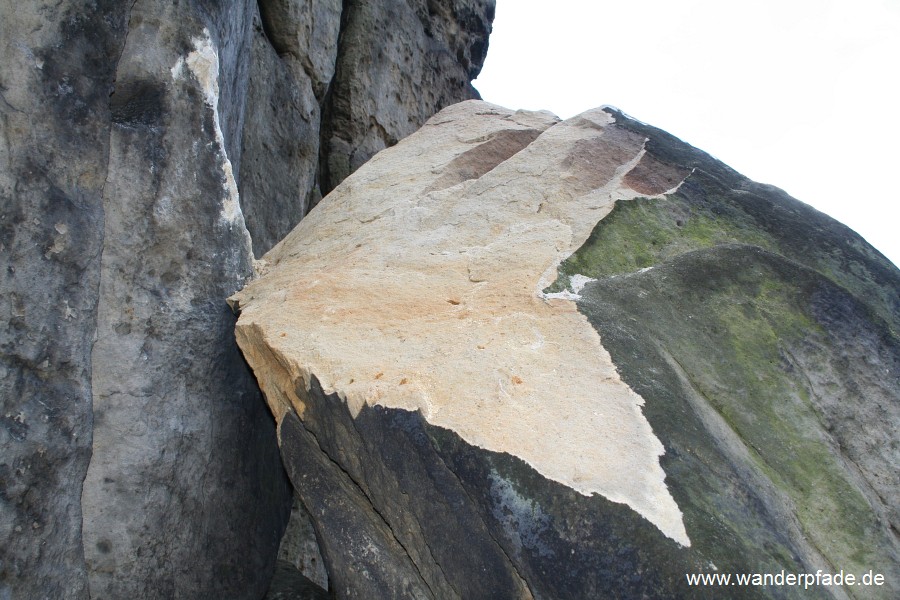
[[726, 325], [740, 315]]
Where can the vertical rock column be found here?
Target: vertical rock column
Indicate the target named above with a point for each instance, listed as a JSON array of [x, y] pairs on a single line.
[[57, 63], [294, 51], [185, 495]]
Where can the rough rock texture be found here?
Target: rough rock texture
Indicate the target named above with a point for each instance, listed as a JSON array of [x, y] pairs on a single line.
[[140, 143], [582, 357], [400, 62], [280, 143], [122, 231], [58, 65], [290, 584], [182, 464], [359, 76], [299, 547]]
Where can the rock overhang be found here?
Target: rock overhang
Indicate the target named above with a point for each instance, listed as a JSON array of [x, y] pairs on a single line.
[[418, 284]]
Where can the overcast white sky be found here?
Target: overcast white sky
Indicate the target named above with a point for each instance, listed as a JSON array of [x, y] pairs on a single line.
[[802, 94]]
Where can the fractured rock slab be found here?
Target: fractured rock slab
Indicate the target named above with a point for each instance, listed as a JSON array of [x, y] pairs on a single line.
[[436, 303], [431, 341]]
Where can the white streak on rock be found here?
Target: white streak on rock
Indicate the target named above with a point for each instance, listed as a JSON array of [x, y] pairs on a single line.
[[576, 284], [203, 63]]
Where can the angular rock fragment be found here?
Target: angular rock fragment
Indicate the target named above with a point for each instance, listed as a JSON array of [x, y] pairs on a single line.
[[577, 356]]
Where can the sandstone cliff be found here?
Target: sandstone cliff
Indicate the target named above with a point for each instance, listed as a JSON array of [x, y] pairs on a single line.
[[147, 150], [513, 357]]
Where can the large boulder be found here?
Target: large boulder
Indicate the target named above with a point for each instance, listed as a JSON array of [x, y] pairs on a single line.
[[147, 150], [515, 357]]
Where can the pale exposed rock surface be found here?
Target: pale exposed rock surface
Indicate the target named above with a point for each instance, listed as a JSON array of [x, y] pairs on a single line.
[[436, 305], [432, 340]]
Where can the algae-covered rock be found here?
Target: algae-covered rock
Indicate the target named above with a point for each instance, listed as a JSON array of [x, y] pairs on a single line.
[[517, 357]]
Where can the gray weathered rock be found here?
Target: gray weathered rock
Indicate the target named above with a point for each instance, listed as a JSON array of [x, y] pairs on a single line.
[[400, 62], [397, 64], [183, 465], [57, 65], [138, 459], [584, 358], [290, 584], [305, 32], [299, 547], [281, 145]]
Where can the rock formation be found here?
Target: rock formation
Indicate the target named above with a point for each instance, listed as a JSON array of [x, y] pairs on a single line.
[[399, 62], [357, 75], [147, 150], [513, 357]]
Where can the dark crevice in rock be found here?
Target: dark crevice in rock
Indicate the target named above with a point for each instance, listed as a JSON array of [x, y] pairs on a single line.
[[412, 559], [432, 54], [279, 145], [290, 584], [379, 129], [324, 182], [390, 527], [300, 547], [266, 17], [363, 557], [427, 546]]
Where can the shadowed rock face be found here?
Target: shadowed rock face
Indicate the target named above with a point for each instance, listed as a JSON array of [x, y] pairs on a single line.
[[583, 357], [137, 458], [147, 149], [400, 62]]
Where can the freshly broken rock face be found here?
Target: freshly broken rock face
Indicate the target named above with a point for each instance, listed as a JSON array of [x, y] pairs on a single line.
[[443, 413]]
